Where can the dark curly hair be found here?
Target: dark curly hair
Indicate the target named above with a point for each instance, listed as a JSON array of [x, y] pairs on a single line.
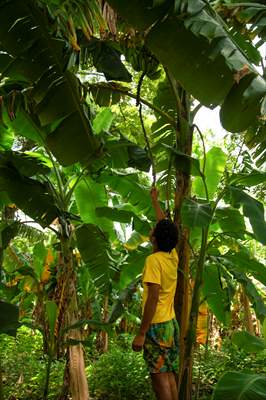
[[166, 235]]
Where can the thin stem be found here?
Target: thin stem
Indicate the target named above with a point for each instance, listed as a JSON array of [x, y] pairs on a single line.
[[236, 161], [1, 381], [202, 173], [195, 110], [139, 87], [163, 114], [168, 186], [71, 190], [47, 378], [148, 146], [61, 197], [203, 146]]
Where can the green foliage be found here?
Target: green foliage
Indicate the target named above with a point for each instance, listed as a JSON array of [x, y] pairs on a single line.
[[106, 59], [243, 103], [252, 209], [119, 374], [248, 342], [236, 385], [30, 195], [40, 60], [211, 364], [9, 314], [213, 171], [95, 250], [196, 213], [217, 296], [24, 367], [89, 195]]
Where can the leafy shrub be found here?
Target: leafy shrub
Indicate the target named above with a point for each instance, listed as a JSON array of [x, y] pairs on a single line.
[[119, 374], [23, 366], [210, 365]]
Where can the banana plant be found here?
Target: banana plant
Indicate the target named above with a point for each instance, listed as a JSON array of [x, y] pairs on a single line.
[[40, 92], [249, 385]]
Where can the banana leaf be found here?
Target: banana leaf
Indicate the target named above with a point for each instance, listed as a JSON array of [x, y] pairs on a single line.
[[239, 386], [29, 54]]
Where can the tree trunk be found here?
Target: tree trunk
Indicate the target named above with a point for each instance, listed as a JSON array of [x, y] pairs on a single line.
[[185, 375], [247, 314], [102, 337], [75, 380]]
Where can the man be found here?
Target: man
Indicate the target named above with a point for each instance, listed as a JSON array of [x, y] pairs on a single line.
[[158, 333]]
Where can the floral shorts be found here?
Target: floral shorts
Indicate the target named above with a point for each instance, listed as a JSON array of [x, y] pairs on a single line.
[[161, 347]]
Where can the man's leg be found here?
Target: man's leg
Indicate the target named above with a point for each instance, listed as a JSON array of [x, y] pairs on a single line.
[[173, 385], [161, 386]]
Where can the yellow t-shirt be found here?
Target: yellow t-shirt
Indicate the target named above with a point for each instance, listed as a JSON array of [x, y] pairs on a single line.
[[161, 268]]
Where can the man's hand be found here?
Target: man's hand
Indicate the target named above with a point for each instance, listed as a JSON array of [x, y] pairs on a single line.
[[138, 342], [154, 193]]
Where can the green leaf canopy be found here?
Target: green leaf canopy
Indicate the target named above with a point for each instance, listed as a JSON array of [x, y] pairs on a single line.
[[9, 314], [196, 48], [195, 213], [252, 209], [30, 195], [248, 342], [217, 297], [239, 386], [95, 251], [31, 56]]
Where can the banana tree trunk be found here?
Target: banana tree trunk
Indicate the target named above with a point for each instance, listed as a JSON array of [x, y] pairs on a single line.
[[247, 314], [75, 380], [1, 381], [102, 337]]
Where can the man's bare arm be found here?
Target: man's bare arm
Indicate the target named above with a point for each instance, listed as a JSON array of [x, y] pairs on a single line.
[[156, 205], [149, 311]]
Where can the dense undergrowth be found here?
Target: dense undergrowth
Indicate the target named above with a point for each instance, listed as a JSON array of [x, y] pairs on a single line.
[[118, 374]]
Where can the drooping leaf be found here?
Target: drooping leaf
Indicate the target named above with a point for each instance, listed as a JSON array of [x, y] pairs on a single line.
[[216, 295], [185, 163], [252, 209], [123, 153], [39, 257], [134, 241], [28, 164], [139, 13], [30, 195], [38, 60], [119, 306], [51, 311], [214, 168], [115, 214], [95, 251], [248, 342], [133, 192], [133, 266], [230, 220], [200, 36], [238, 386], [9, 314], [195, 213], [7, 232], [106, 94], [252, 178], [103, 120], [255, 139], [90, 195], [243, 103], [243, 262], [107, 59], [252, 293]]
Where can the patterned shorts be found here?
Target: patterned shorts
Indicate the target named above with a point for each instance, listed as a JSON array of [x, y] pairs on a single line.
[[161, 347]]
